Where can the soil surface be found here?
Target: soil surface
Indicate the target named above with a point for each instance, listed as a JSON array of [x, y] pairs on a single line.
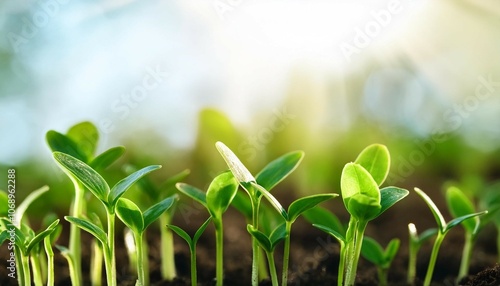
[[314, 255]]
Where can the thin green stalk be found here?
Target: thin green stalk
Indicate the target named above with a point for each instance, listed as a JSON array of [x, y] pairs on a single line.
[[71, 263], [219, 244], [255, 243], [272, 268], [412, 263], [382, 276], [140, 259], [50, 261], [96, 264], [168, 271], [26, 270], [75, 251], [19, 266], [42, 258], [340, 279], [111, 267], [36, 269], [145, 259], [194, 277], [466, 255], [432, 260], [263, 271], [286, 254], [354, 252]]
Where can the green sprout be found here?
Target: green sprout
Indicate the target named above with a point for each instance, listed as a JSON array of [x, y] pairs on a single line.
[[443, 229], [364, 200], [156, 193], [27, 244], [81, 143], [459, 205], [261, 185], [268, 244], [219, 195], [137, 222], [192, 245], [109, 197], [373, 252], [415, 243]]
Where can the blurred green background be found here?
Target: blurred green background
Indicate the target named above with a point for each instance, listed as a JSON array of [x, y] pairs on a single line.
[[167, 79]]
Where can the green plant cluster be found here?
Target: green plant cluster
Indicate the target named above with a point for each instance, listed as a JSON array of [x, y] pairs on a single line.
[[268, 222]]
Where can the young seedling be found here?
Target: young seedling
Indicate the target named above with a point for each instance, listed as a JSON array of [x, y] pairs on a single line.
[[192, 245], [81, 143], [373, 252], [459, 205], [137, 222], [217, 199], [259, 186], [364, 200], [155, 194], [268, 244], [415, 242], [109, 197], [443, 229]]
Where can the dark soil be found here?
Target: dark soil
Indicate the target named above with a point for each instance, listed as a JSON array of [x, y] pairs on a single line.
[[314, 255]]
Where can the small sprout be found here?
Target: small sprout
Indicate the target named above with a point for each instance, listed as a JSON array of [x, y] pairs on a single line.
[[192, 245], [443, 229], [373, 252], [268, 244], [258, 186], [138, 222], [109, 197], [219, 195], [364, 200], [415, 242]]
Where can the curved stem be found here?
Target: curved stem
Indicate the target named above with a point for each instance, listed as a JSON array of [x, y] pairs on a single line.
[[340, 278], [272, 268], [74, 247], [263, 269], [96, 264], [50, 260], [432, 260], [37, 273], [255, 245], [466, 255], [26, 270], [19, 266], [286, 254]]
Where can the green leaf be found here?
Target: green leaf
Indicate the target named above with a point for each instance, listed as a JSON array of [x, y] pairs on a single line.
[[21, 209], [239, 170], [322, 216], [41, 236], [301, 205], [180, 232], [269, 219], [424, 236], [372, 251], [277, 170], [356, 182], [376, 160], [83, 173], [220, 193], [122, 186], [339, 236], [391, 250], [154, 212], [274, 202], [201, 229], [242, 203], [460, 205], [434, 209], [62, 143], [130, 214], [364, 208], [3, 236], [278, 235], [193, 192], [85, 135], [261, 238], [389, 196], [427, 234], [106, 158], [89, 227], [459, 220]]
